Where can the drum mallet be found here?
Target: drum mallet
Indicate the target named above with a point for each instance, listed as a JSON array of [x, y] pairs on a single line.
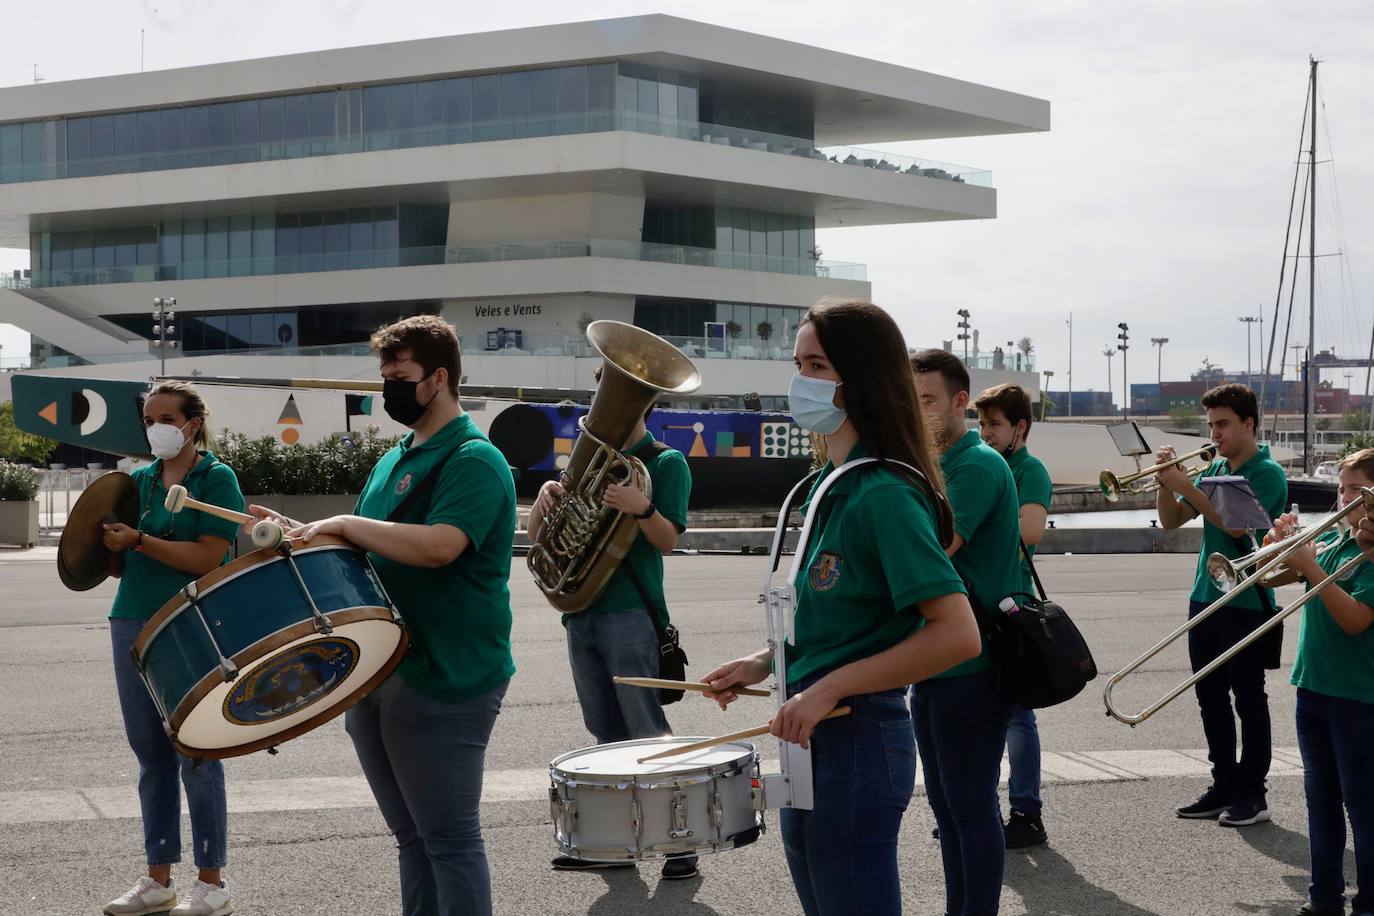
[[265, 532]]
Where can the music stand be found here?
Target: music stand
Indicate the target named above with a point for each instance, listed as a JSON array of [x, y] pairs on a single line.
[[1236, 503], [1129, 441]]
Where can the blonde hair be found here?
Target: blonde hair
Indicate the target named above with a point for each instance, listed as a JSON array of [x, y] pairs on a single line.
[[1361, 461], [192, 406]]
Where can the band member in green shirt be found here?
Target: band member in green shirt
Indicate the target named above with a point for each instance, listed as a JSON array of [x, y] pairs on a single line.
[[1237, 793], [421, 736], [879, 607], [961, 716], [615, 636], [163, 553], [1334, 674], [1004, 421]]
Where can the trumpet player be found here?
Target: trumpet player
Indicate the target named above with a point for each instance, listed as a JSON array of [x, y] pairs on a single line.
[[1237, 794], [1334, 674]]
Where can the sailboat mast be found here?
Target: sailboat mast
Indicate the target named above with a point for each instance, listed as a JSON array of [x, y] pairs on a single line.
[[1308, 382]]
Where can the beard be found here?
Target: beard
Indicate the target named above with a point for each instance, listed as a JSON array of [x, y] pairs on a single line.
[[942, 432]]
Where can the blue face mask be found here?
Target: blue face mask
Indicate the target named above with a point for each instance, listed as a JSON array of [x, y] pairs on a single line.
[[811, 401]]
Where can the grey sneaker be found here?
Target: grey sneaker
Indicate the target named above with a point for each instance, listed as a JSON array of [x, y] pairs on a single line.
[[206, 900], [147, 896]]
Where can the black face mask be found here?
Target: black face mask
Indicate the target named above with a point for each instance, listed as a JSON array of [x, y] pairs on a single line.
[[400, 402]]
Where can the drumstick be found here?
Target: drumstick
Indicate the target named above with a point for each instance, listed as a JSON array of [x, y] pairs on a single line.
[[265, 532], [734, 736], [663, 684]]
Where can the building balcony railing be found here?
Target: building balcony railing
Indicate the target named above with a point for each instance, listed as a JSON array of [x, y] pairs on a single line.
[[438, 254], [502, 129]]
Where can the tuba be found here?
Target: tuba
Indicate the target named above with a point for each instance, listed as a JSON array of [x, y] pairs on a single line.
[[581, 541]]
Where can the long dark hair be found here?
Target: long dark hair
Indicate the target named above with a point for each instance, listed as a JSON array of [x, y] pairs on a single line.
[[866, 348]]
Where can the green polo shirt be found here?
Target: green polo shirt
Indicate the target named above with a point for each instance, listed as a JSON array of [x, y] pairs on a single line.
[[1033, 487], [1270, 484], [874, 554], [672, 487], [982, 494], [147, 584], [1331, 661], [459, 615]]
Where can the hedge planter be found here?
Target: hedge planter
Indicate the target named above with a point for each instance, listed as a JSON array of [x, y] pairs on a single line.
[[19, 523]]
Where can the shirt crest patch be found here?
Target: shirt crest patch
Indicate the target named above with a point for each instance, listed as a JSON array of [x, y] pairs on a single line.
[[825, 572], [403, 484]]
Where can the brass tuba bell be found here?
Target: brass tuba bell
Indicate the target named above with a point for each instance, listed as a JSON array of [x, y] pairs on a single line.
[[582, 541]]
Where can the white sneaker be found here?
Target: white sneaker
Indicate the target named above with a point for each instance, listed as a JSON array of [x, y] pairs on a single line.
[[147, 896], [206, 900]]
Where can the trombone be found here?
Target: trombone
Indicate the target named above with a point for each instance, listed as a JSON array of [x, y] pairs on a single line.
[[1226, 573], [1273, 560], [1112, 486]]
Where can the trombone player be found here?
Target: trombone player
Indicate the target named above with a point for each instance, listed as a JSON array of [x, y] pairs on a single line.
[[1237, 794]]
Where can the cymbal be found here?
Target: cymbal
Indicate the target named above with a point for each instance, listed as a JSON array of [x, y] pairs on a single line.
[[83, 561]]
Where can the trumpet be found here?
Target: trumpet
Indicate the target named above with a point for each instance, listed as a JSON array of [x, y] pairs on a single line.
[[1271, 561], [1112, 486]]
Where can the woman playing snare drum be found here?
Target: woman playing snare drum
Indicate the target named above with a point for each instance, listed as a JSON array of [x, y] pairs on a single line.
[[880, 607], [162, 554]]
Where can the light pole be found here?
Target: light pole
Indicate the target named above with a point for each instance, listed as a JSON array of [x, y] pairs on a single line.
[[1109, 353], [1159, 369], [963, 331], [163, 316], [1249, 320], [1070, 324], [1125, 384], [1048, 375]]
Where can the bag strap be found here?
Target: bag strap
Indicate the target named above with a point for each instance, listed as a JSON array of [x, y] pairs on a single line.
[[421, 491], [659, 630], [1025, 552]]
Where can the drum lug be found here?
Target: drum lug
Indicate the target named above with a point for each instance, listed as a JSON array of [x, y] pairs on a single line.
[[716, 810], [228, 670], [564, 811], [679, 830], [636, 822]]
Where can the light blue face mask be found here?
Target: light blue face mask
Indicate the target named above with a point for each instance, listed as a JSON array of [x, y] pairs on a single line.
[[811, 401]]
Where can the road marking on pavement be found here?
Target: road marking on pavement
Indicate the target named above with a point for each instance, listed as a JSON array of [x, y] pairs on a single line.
[[522, 785]]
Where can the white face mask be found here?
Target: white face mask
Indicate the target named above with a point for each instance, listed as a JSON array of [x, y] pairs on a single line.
[[166, 440]]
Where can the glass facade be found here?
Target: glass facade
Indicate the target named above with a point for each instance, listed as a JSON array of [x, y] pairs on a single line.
[[255, 329], [241, 245], [759, 328], [748, 239]]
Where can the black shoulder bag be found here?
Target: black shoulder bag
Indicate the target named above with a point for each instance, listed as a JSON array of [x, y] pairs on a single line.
[[1041, 656]]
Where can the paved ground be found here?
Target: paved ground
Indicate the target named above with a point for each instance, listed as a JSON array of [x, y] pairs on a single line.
[[305, 839]]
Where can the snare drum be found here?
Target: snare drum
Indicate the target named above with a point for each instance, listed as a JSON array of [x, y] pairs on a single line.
[[268, 647], [607, 807]]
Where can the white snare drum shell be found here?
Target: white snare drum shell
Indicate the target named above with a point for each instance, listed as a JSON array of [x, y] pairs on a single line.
[[606, 806]]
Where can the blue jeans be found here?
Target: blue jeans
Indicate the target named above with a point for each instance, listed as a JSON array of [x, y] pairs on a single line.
[[423, 759], [1334, 736], [161, 767], [961, 728], [1023, 754], [605, 645], [843, 853], [1242, 676]]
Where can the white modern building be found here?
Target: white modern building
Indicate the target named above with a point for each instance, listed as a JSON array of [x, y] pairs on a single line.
[[520, 183]]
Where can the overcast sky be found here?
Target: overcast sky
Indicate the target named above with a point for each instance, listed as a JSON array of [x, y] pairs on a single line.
[[1159, 197]]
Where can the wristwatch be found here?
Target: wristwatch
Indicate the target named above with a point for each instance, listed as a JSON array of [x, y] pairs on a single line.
[[647, 513]]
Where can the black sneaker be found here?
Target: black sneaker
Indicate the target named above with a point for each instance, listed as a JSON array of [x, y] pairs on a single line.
[[1247, 810], [680, 866], [1022, 830], [568, 863], [1320, 909], [1209, 804]]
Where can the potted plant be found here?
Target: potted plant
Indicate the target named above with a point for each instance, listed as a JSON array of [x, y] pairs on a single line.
[[18, 504]]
